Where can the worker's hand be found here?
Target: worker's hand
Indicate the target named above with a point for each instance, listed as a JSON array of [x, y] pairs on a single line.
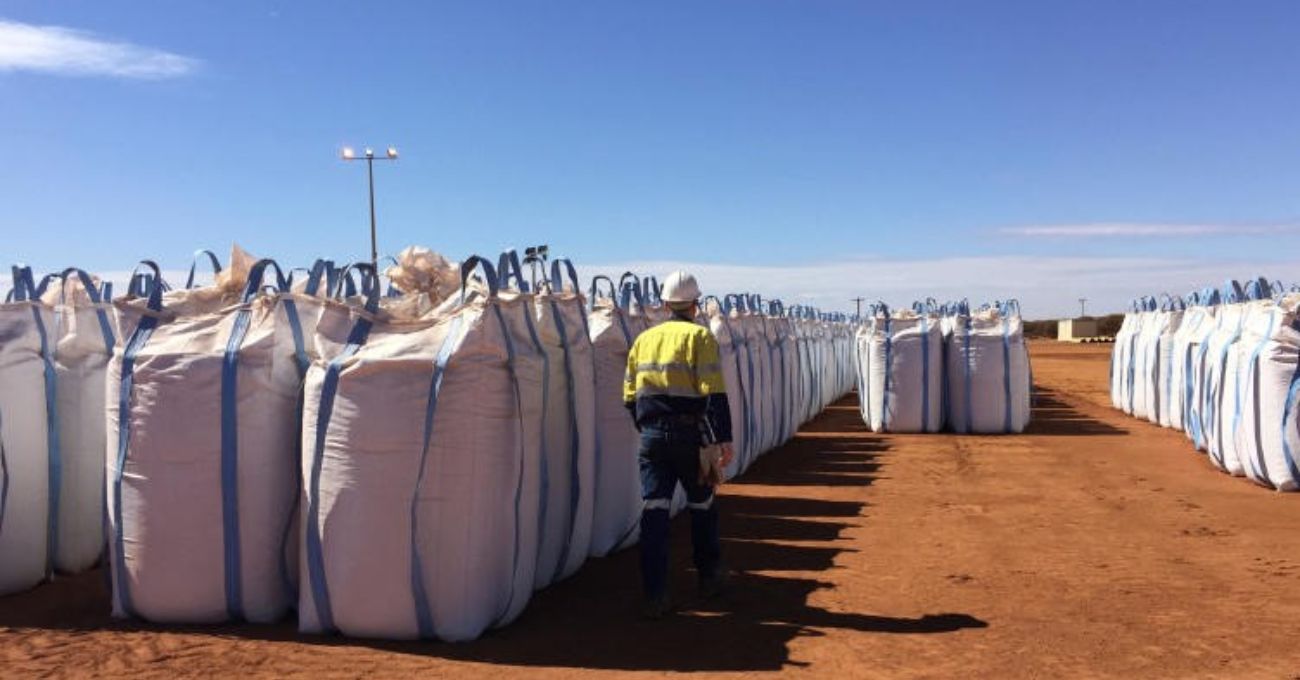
[[727, 454]]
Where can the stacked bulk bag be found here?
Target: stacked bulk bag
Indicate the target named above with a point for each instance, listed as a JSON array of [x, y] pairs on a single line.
[[903, 371], [82, 339], [617, 511], [1156, 352], [1266, 432], [202, 429], [569, 432], [422, 465], [988, 377], [28, 526]]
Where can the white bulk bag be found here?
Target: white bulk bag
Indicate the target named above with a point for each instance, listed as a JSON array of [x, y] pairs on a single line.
[[988, 372], [569, 431], [421, 466], [745, 430], [1141, 362], [904, 372], [30, 444], [617, 512], [759, 367], [788, 354], [1268, 432], [1257, 319], [1222, 382], [202, 430], [721, 327], [1156, 351], [82, 339], [1122, 367], [1197, 324]]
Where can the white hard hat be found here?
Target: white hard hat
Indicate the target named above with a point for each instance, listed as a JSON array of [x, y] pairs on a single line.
[[680, 286]]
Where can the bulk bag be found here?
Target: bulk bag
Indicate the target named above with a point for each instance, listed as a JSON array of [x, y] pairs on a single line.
[[904, 372], [617, 512], [569, 431], [988, 372], [1222, 379], [1122, 373], [202, 425], [720, 325], [31, 453], [761, 421], [1140, 369], [82, 339], [422, 465], [747, 348], [1268, 437], [1157, 359], [1185, 376]]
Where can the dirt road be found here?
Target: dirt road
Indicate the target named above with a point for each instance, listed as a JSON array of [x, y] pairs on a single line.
[[1095, 546]]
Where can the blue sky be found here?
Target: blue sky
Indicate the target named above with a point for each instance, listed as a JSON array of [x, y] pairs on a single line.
[[808, 149]]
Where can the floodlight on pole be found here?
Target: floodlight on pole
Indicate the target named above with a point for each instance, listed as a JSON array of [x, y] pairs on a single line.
[[369, 157]]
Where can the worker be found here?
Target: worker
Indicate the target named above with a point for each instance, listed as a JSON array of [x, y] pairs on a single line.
[[675, 391]]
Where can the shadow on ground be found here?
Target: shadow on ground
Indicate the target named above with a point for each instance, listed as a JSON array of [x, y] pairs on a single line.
[[1053, 415], [777, 546]]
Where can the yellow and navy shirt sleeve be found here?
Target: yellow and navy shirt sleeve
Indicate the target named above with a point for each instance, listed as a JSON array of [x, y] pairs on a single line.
[[674, 370]]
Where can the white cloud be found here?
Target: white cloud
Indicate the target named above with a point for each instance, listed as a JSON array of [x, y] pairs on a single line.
[[1146, 230], [66, 51]]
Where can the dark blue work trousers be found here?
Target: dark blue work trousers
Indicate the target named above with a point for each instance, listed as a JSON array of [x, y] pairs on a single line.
[[670, 455]]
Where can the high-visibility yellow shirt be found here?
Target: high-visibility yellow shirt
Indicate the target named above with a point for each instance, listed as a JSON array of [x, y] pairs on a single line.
[[675, 370]]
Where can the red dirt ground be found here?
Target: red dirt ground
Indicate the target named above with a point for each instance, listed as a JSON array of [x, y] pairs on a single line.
[[1094, 546]]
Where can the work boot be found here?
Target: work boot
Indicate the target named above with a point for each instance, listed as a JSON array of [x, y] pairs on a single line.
[[656, 608], [713, 585]]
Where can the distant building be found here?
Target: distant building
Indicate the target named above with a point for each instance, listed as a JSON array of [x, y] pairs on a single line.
[[1076, 330]]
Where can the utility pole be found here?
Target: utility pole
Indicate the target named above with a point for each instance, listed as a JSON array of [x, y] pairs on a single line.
[[369, 158], [1083, 306], [858, 300]]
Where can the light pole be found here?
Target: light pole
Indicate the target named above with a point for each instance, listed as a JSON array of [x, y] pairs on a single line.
[[369, 158], [1083, 307], [859, 301]]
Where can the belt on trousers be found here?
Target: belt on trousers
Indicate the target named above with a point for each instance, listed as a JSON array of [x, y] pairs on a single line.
[[672, 421]]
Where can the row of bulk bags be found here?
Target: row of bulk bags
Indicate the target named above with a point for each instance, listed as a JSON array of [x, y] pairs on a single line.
[[1229, 379], [987, 375], [422, 452], [202, 429], [57, 330], [781, 368]]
